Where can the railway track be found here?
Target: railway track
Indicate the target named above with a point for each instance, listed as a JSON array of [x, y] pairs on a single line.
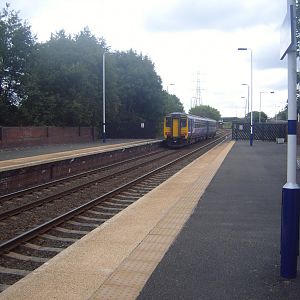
[[23, 253]]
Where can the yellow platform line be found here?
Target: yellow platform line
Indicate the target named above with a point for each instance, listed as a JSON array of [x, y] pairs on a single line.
[[70, 154]]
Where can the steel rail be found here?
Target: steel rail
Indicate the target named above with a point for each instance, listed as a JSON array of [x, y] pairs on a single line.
[[22, 192], [14, 242], [12, 212]]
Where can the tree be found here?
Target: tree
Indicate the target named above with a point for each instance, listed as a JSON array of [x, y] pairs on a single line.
[[16, 47], [66, 83], [171, 103], [255, 117], [282, 115], [205, 111], [140, 88]]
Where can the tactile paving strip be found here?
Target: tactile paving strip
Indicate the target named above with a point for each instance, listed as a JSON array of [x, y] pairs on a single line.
[[115, 260], [132, 274]]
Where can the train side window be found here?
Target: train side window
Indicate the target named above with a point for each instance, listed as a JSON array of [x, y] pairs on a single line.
[[168, 122], [182, 122]]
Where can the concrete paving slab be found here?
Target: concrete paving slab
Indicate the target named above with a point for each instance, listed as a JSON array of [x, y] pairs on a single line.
[[230, 246], [101, 258]]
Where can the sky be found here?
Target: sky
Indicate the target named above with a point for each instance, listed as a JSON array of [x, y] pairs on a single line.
[[192, 43]]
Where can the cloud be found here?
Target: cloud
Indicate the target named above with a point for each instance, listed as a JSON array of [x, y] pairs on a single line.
[[267, 56], [225, 15]]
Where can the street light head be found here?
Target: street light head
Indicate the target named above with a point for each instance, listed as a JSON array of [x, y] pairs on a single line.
[[272, 92], [242, 49]]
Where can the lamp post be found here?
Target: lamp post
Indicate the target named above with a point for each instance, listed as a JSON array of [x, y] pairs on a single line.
[[251, 115], [260, 93], [247, 96], [103, 100], [245, 105]]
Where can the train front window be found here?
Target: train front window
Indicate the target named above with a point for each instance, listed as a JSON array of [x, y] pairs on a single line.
[[183, 122], [168, 122]]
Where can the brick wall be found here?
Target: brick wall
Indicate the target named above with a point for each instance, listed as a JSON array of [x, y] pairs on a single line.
[[30, 136]]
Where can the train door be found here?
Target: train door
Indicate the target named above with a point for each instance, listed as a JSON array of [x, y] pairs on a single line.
[[175, 127]]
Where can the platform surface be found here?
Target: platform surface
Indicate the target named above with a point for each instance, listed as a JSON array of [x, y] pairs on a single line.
[[115, 260], [230, 247], [212, 231], [29, 156]]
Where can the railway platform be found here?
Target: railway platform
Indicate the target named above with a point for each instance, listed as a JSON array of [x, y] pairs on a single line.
[[212, 231], [31, 166], [26, 156]]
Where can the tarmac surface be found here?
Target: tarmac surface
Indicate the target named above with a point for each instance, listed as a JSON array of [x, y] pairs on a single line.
[[230, 246]]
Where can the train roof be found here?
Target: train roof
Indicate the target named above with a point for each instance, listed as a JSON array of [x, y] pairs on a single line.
[[191, 116]]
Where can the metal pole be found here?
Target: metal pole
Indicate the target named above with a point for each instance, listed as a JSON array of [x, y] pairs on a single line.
[[103, 102], [251, 121], [245, 106], [291, 190], [248, 98], [251, 115], [259, 106]]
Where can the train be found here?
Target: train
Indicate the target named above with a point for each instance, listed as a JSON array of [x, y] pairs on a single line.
[[181, 129]]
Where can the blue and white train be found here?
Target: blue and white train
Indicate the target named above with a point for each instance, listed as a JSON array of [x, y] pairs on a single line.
[[181, 129]]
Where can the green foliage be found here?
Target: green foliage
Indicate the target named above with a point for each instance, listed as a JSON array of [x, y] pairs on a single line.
[[205, 111], [140, 89], [255, 117], [16, 48], [282, 115], [59, 82], [171, 103], [65, 85]]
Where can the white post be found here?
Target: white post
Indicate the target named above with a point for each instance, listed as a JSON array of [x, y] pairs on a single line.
[[248, 97], [292, 108], [291, 190], [251, 117], [251, 122], [259, 119]]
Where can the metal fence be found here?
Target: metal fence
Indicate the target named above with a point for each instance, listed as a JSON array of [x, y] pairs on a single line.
[[261, 131], [147, 130]]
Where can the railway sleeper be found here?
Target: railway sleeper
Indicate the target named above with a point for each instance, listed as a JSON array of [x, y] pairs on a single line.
[[116, 204], [20, 272], [72, 231], [42, 248], [116, 209], [100, 213], [91, 219], [57, 238], [26, 257], [93, 225]]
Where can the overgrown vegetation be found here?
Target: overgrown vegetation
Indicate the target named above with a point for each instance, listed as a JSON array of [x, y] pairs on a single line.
[[205, 111], [59, 82]]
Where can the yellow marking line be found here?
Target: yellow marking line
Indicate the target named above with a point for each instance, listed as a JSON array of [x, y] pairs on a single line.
[[115, 260]]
